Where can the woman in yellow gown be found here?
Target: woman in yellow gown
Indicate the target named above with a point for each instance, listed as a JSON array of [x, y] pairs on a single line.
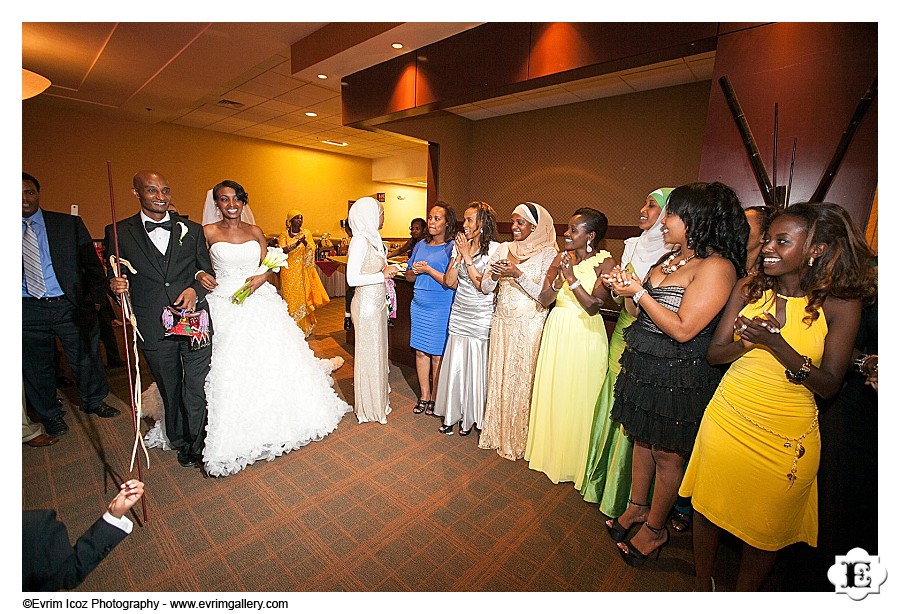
[[301, 287], [789, 330], [572, 359]]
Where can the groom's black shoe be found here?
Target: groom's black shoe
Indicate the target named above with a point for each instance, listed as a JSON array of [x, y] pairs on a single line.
[[348, 323], [103, 410], [186, 458]]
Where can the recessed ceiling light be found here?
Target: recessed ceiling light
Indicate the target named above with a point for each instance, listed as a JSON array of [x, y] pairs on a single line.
[[335, 143], [422, 182], [311, 114], [397, 45], [322, 76]]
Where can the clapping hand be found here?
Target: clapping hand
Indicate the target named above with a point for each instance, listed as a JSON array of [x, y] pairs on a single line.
[[463, 247], [565, 268], [419, 267], [622, 282], [505, 268], [760, 330]]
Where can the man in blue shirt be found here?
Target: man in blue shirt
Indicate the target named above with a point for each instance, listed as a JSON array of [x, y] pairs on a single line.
[[62, 282]]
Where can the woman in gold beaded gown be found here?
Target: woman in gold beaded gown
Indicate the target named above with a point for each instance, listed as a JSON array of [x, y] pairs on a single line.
[[301, 287], [518, 268]]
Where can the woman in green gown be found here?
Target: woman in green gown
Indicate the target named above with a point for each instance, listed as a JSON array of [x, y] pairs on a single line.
[[607, 476]]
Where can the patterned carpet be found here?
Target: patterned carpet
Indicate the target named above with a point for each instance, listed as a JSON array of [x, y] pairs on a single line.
[[396, 507]]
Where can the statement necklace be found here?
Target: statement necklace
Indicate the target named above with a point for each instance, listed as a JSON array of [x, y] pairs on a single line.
[[668, 268]]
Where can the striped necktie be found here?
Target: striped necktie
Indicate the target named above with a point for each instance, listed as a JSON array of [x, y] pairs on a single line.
[[31, 262]]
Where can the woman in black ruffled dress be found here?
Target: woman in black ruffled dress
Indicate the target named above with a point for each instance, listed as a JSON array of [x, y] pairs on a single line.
[[666, 382]]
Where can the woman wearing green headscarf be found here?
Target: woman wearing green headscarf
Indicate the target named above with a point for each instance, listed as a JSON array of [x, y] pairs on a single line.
[[607, 476]]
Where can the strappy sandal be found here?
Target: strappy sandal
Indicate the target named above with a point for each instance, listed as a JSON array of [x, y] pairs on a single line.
[[420, 406], [616, 530], [680, 522], [429, 408], [636, 558]]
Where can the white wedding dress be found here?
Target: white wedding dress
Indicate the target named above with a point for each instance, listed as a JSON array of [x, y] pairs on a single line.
[[266, 392]]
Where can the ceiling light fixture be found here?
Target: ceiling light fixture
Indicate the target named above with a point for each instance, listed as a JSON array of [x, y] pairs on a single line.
[[335, 143], [33, 84], [311, 114], [322, 76], [397, 45]]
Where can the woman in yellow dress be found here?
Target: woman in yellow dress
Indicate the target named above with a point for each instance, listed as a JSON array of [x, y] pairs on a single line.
[[300, 284], [790, 332], [572, 359]]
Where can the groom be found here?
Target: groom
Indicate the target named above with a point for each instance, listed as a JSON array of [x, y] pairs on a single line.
[[168, 252]]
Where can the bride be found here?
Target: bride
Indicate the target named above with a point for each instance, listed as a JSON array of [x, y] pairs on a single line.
[[266, 392]]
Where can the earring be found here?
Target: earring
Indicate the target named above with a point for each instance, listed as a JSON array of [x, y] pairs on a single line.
[[589, 248], [811, 260], [218, 213]]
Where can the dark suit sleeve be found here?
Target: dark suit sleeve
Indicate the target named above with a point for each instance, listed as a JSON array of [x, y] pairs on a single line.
[[203, 264], [50, 563], [91, 268]]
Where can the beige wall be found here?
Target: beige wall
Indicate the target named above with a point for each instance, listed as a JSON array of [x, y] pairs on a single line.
[[607, 153], [67, 151]]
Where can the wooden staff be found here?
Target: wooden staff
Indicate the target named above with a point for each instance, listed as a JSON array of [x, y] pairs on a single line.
[[787, 196], [759, 169], [775, 155], [134, 414], [864, 103]]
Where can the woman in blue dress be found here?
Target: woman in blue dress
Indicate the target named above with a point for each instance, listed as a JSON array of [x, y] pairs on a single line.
[[430, 308]]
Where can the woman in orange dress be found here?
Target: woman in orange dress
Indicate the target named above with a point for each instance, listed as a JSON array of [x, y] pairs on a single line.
[[301, 287]]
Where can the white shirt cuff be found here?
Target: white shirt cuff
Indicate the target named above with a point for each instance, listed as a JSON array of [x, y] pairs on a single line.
[[123, 523], [197, 273]]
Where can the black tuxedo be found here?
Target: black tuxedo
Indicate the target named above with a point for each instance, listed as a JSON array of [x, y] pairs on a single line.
[[178, 371], [72, 318], [49, 562]]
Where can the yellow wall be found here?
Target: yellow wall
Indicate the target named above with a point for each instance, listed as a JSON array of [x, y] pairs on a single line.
[[67, 151]]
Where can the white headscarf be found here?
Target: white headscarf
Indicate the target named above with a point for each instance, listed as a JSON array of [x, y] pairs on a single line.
[[212, 214], [363, 218], [543, 235], [643, 251]]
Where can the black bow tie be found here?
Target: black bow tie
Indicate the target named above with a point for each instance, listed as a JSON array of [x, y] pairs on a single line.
[[151, 226]]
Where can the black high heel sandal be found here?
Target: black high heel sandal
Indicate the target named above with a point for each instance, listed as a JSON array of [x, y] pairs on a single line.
[[616, 531], [429, 408], [636, 558], [446, 429], [420, 406]]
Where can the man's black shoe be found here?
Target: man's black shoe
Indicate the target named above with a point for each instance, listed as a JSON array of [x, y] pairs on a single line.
[[103, 410], [348, 323], [186, 459], [56, 426]]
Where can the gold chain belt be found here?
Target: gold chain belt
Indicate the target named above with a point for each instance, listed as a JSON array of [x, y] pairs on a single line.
[[789, 442]]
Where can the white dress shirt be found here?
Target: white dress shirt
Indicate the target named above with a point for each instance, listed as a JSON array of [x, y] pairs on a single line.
[[159, 236]]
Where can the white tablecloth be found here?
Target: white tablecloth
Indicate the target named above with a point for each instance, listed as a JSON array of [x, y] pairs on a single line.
[[335, 284]]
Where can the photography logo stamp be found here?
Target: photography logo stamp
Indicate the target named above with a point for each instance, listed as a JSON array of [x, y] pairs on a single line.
[[857, 574]]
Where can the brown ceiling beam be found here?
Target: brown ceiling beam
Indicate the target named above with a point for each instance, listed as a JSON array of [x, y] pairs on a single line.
[[332, 39]]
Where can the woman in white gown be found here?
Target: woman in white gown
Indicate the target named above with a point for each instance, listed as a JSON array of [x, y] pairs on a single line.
[[266, 392]]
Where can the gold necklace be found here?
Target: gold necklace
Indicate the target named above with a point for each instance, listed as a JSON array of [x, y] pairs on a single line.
[[799, 450], [667, 267]]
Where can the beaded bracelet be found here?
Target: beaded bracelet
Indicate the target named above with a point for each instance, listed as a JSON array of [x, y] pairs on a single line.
[[800, 375]]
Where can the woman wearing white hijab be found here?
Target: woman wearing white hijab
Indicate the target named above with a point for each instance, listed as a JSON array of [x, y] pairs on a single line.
[[607, 476], [367, 270], [518, 267]]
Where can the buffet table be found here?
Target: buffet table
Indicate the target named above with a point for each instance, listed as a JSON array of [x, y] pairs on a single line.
[[333, 276]]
